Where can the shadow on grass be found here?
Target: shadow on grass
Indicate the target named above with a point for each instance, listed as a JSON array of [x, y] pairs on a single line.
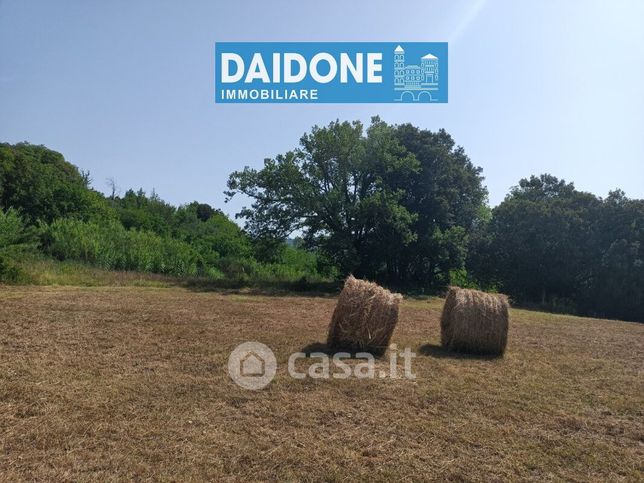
[[267, 288], [439, 352], [317, 347]]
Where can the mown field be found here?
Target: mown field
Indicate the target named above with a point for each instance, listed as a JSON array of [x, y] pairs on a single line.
[[130, 383]]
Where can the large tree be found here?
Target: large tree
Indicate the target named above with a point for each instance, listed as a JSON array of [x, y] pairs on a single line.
[[449, 201], [393, 203], [341, 189], [541, 237]]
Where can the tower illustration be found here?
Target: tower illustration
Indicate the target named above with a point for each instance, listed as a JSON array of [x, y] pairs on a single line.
[[399, 67]]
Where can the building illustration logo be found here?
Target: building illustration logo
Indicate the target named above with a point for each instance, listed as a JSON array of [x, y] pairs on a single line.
[[415, 82], [331, 72]]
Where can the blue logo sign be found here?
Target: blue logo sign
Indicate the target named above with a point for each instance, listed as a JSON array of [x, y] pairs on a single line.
[[330, 72]]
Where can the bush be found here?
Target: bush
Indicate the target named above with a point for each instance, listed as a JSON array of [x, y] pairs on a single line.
[[460, 278], [16, 242], [111, 246], [9, 270], [293, 265]]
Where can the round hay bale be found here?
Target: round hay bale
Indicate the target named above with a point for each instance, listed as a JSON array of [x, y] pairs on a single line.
[[475, 322], [364, 318]]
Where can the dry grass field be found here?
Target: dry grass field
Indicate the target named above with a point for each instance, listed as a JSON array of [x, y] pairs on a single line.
[[128, 383]]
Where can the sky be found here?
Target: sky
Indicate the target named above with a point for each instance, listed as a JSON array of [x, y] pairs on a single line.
[[125, 89]]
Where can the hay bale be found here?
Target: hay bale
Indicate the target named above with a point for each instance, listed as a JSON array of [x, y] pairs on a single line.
[[364, 318], [475, 322]]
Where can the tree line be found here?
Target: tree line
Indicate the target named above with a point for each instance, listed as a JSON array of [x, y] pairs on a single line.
[[407, 207], [396, 204]]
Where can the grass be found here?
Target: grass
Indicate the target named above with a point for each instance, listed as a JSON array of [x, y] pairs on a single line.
[[121, 383], [48, 271]]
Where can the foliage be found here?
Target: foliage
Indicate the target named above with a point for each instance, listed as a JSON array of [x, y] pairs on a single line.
[[136, 210], [111, 246], [135, 231], [16, 241], [393, 204], [448, 198], [213, 237], [396, 204], [616, 285], [334, 189], [549, 243], [43, 186]]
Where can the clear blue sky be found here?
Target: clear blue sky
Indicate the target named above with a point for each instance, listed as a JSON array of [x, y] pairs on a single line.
[[124, 89]]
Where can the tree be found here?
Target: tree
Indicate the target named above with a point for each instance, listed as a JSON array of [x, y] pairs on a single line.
[[393, 203], [551, 244], [43, 186], [218, 234], [341, 189], [137, 210], [542, 239], [205, 211], [617, 286], [448, 198]]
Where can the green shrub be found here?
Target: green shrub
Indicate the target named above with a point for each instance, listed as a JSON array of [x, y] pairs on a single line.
[[461, 278], [16, 242], [238, 268], [110, 246]]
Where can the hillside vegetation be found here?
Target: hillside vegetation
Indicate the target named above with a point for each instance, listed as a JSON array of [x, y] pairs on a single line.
[[396, 204], [49, 209]]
